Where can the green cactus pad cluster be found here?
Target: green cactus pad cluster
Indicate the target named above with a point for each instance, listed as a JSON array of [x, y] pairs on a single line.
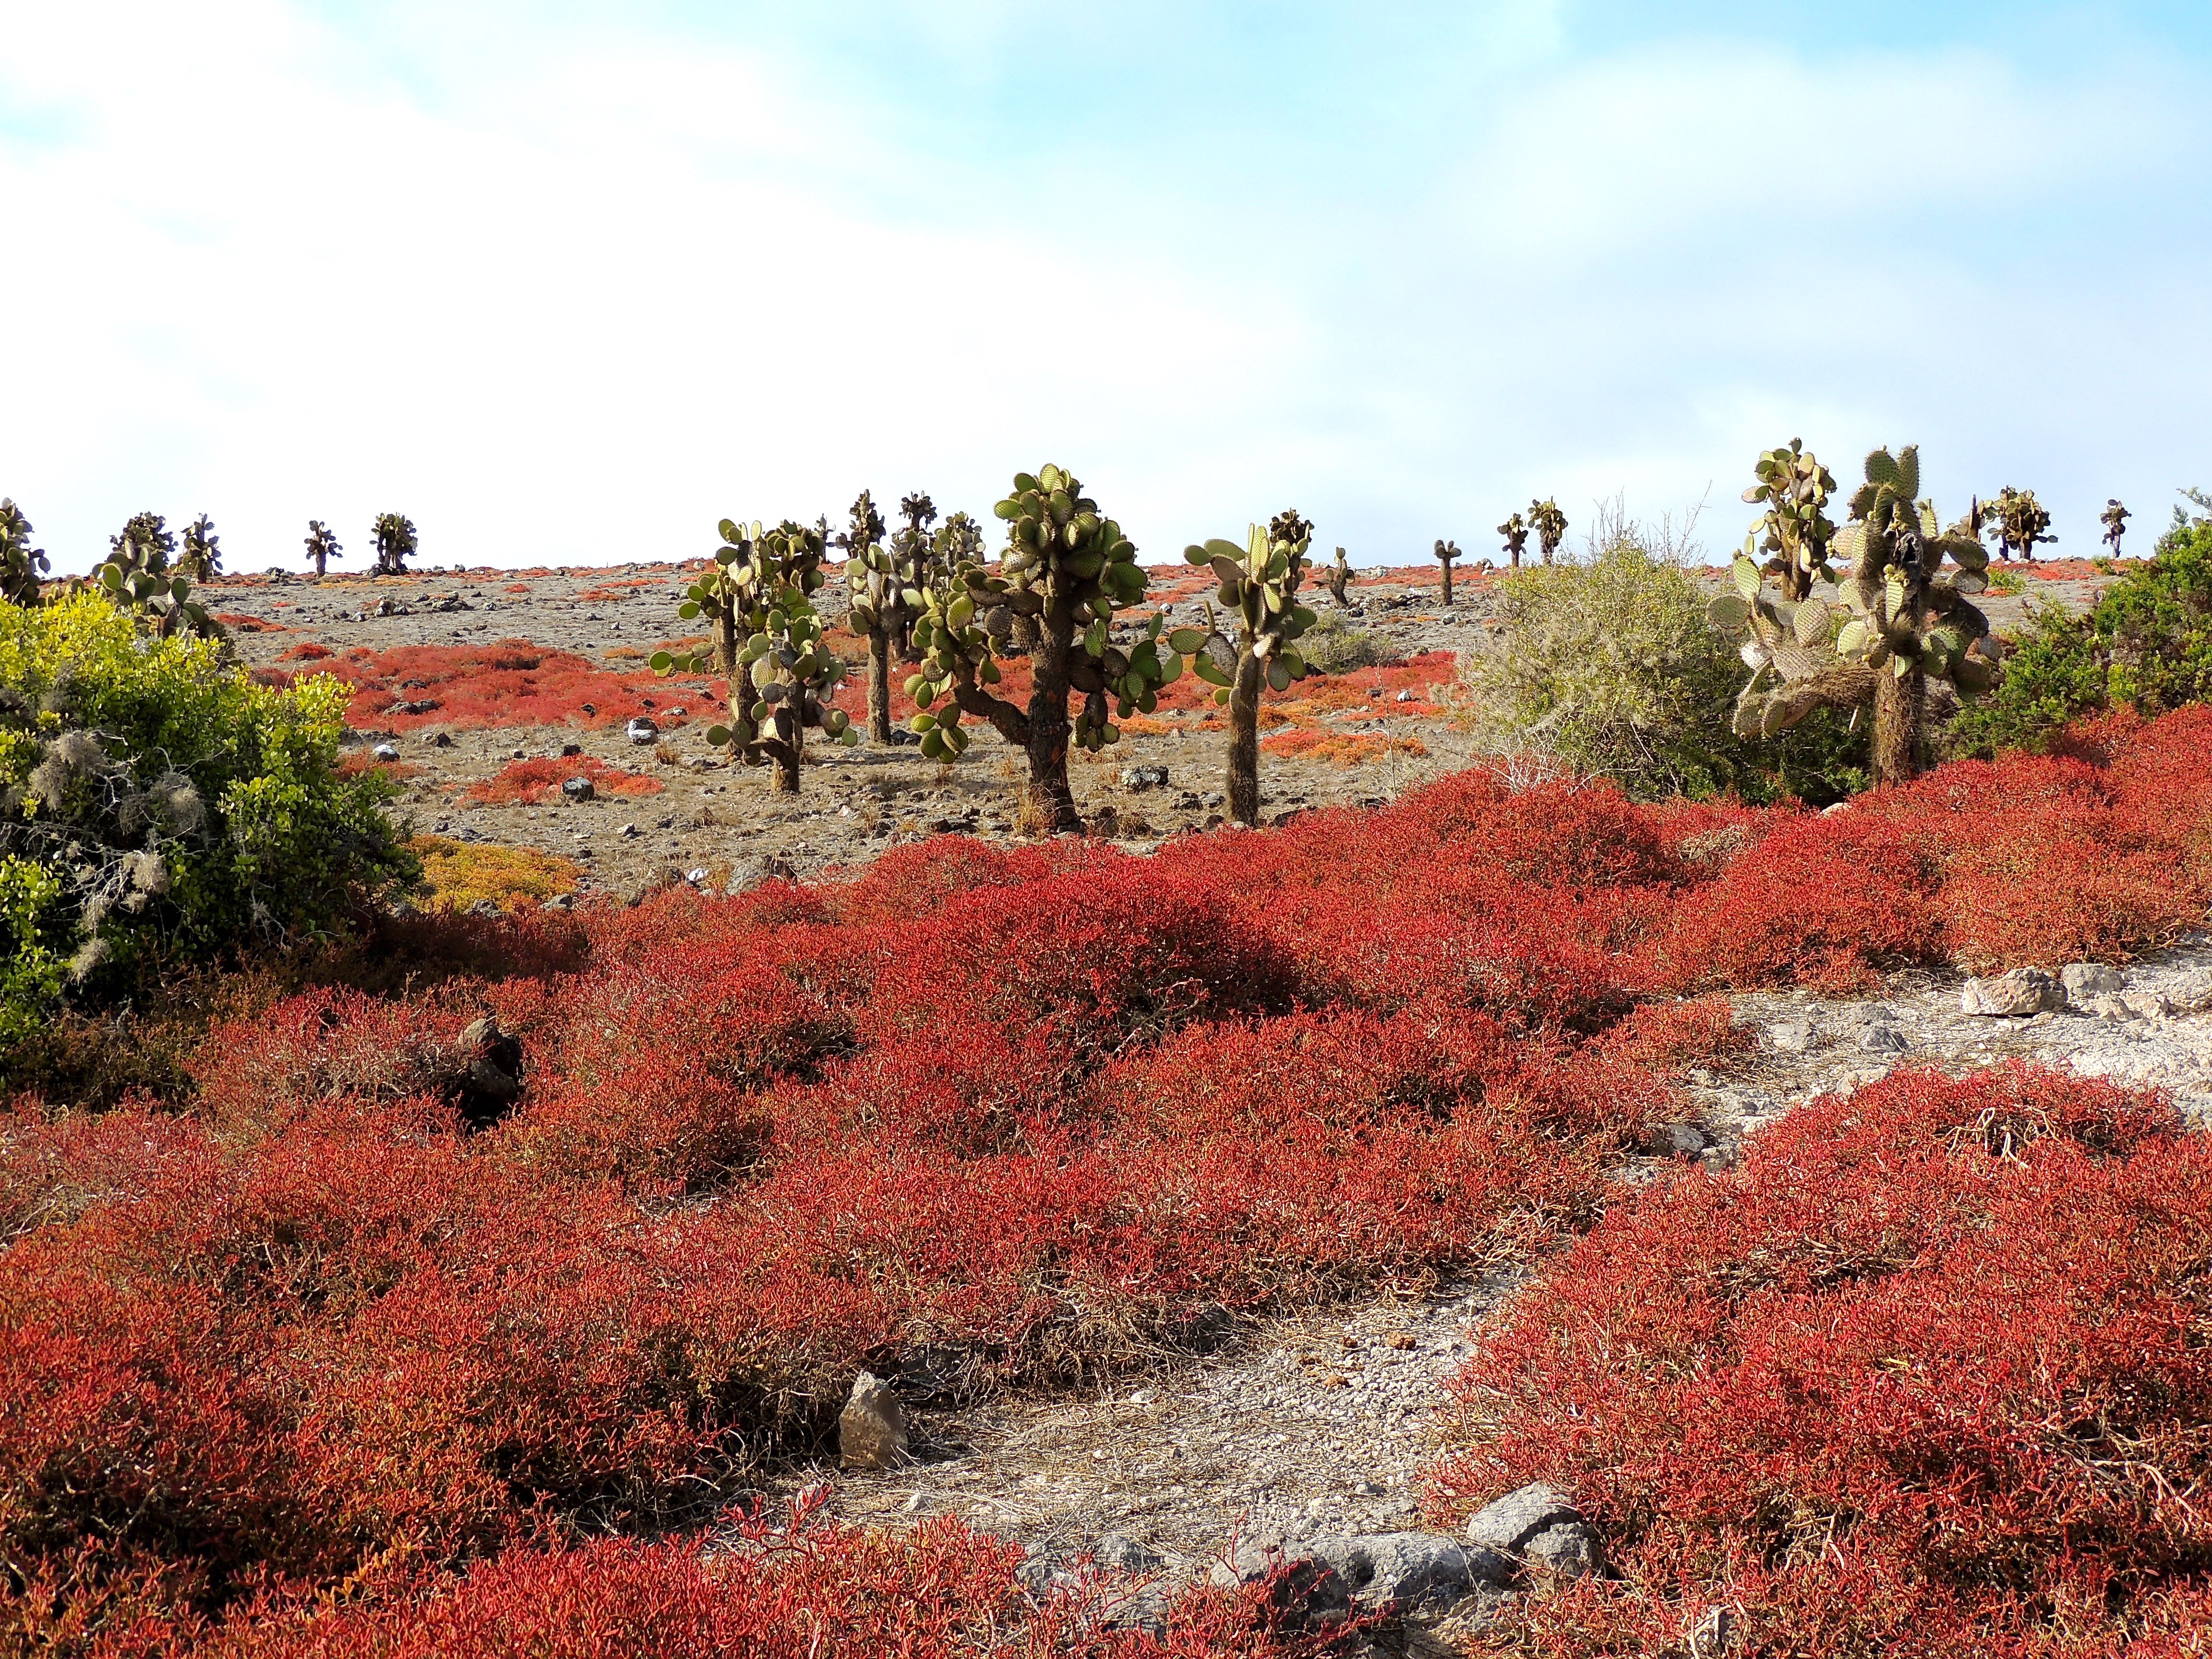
[[137, 575], [882, 583], [1062, 559], [201, 556], [781, 675], [1895, 610], [2020, 523], [1258, 588], [1515, 534], [1794, 532], [1550, 525], [22, 565]]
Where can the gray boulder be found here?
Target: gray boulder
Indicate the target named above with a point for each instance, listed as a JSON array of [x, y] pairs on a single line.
[[643, 731], [2084, 979], [1410, 1572], [578, 789], [2023, 991], [1539, 1524]]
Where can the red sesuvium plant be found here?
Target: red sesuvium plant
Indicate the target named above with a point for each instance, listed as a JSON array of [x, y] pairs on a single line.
[[304, 1333], [1925, 1374]]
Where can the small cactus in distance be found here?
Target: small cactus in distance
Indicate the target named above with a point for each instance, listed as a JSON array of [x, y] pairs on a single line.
[[200, 556], [1794, 531], [22, 565], [1254, 645], [912, 549], [395, 538], [1549, 524], [1515, 531], [783, 675], [2114, 518], [322, 546], [2019, 523], [1066, 569], [1340, 579], [877, 593], [1445, 553]]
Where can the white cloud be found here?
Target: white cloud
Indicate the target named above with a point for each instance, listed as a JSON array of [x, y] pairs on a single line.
[[581, 302]]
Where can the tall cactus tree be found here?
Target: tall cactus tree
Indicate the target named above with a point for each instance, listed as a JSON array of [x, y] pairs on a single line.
[[1445, 553], [200, 556], [395, 537], [879, 598], [1902, 620], [2019, 523], [22, 565], [1515, 531], [1550, 526], [784, 675], [2114, 518], [1066, 569], [1794, 533], [1253, 647], [913, 548], [322, 546]]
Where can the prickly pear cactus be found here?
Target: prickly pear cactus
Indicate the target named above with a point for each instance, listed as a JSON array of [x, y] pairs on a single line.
[[1549, 524], [717, 594], [1447, 552], [1794, 533], [2114, 518], [322, 545], [136, 576], [200, 558], [22, 565], [1064, 571], [879, 581], [782, 675], [1340, 579], [1895, 618], [1253, 643], [395, 537], [2018, 522], [1515, 531]]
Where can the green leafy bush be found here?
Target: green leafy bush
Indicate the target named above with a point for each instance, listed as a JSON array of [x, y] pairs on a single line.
[[157, 806], [1334, 645], [2147, 646], [1613, 668]]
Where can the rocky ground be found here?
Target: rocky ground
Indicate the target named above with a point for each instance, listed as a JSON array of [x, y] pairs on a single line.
[[722, 822], [1308, 1437]]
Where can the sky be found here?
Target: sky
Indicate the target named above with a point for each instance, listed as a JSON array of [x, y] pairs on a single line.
[[569, 282]]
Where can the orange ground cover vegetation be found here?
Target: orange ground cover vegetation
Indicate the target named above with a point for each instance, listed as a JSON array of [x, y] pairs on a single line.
[[511, 682], [537, 781], [317, 1359]]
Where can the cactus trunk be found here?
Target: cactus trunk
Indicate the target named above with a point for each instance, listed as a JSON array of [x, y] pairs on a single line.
[[321, 562], [1049, 728], [1897, 705], [1447, 597], [879, 688], [725, 643], [1243, 783]]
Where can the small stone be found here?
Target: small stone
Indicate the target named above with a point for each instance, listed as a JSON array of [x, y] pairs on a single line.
[[1570, 1550], [385, 751], [2019, 994], [1883, 1040], [1115, 1553], [697, 877], [643, 731], [1791, 1036], [570, 750], [629, 830], [871, 1430], [440, 740], [578, 789], [1674, 1140], [1144, 777], [2083, 980]]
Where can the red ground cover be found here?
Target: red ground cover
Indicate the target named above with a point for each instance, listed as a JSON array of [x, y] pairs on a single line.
[[1028, 1115], [512, 683], [1927, 1375], [537, 781]]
